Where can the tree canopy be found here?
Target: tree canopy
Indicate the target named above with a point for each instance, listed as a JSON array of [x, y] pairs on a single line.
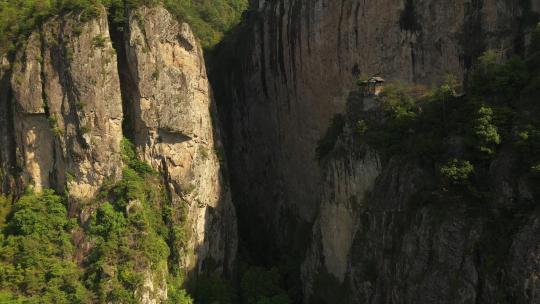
[[210, 19]]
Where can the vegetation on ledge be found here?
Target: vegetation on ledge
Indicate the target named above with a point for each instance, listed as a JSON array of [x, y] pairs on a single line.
[[455, 133], [210, 19]]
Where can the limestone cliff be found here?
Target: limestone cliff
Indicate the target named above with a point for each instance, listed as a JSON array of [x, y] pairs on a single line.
[[296, 61], [290, 73], [171, 109], [383, 235], [67, 99], [67, 107]]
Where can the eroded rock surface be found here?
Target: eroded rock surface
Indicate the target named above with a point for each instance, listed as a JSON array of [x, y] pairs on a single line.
[[67, 106], [291, 73], [173, 126]]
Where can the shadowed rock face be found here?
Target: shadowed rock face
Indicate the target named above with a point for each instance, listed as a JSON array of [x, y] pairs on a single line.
[[297, 60], [291, 71], [375, 242], [6, 126], [67, 100]]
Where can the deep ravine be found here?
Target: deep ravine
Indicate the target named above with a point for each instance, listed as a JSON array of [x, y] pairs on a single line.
[[324, 152]]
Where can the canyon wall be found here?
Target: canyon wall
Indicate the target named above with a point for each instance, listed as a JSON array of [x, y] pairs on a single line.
[[289, 71], [296, 62]]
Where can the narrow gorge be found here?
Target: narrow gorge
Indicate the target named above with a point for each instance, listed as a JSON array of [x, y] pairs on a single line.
[[309, 151]]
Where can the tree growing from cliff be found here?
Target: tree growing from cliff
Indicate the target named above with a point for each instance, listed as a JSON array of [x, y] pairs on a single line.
[[457, 171], [485, 131]]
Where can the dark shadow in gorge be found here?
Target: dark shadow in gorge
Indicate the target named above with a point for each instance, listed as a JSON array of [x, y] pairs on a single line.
[[260, 244]]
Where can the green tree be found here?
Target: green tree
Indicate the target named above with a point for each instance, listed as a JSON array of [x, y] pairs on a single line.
[[485, 131], [457, 172]]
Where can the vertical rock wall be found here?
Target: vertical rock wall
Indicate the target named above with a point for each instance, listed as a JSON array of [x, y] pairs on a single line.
[[296, 62], [291, 71], [171, 111], [67, 106]]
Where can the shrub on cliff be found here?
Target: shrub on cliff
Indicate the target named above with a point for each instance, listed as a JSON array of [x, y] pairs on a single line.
[[457, 172], [485, 131]]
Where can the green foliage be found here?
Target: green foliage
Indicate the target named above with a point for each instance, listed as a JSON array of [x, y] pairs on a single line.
[[179, 296], [457, 172], [261, 286], [210, 19], [499, 108], [485, 131], [36, 251], [5, 209], [361, 127], [176, 293], [398, 103], [536, 169], [19, 17], [85, 129], [130, 232], [399, 111], [203, 153], [130, 158], [529, 145], [130, 237], [500, 82], [213, 289], [99, 41]]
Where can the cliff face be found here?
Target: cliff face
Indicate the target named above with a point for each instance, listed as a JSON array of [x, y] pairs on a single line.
[[295, 65], [67, 107], [171, 109], [377, 241], [67, 100]]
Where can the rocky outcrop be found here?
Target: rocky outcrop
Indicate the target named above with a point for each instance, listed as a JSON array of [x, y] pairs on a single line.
[[412, 252], [349, 179], [385, 233], [293, 67], [171, 115], [67, 106]]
